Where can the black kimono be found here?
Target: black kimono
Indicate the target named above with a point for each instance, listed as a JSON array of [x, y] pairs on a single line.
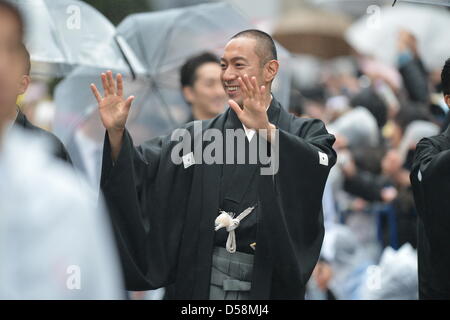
[[163, 214], [59, 150], [430, 178]]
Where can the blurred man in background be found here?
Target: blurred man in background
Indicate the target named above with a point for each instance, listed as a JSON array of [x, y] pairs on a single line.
[[202, 88]]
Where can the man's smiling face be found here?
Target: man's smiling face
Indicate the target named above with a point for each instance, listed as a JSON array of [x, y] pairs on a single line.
[[240, 58]]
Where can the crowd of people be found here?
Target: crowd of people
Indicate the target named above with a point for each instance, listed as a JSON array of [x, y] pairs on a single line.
[[378, 115]]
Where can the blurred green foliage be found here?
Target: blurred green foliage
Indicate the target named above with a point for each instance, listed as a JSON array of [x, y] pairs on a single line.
[[117, 10]]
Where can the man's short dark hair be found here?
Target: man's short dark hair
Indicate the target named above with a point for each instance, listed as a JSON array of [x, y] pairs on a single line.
[[445, 77], [188, 73], [265, 46], [12, 9]]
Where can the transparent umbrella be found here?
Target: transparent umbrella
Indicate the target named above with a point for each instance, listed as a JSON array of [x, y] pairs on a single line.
[[64, 34], [376, 35]]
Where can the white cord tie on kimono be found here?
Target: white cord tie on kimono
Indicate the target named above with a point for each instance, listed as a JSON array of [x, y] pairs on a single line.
[[226, 220]]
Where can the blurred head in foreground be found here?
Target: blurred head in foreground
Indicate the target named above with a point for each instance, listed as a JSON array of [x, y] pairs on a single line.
[[14, 61]]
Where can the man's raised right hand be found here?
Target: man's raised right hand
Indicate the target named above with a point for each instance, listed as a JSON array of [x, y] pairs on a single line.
[[113, 108]]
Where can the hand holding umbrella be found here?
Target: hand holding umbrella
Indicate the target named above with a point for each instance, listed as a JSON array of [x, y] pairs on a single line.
[[113, 108]]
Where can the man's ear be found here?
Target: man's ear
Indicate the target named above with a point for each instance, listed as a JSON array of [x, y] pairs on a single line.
[[188, 94], [271, 70], [24, 83]]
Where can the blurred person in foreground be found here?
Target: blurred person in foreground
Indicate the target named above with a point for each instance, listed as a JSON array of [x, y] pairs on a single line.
[[15, 83], [54, 239], [169, 217], [430, 178], [202, 87]]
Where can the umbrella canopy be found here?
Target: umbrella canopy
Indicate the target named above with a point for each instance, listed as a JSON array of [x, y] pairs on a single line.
[[315, 32], [428, 24], [63, 34]]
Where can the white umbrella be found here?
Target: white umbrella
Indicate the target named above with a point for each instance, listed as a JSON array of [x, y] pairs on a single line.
[[376, 34], [63, 34]]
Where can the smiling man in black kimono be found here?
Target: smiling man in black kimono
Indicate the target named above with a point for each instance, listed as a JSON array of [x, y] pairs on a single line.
[[180, 224], [430, 179]]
